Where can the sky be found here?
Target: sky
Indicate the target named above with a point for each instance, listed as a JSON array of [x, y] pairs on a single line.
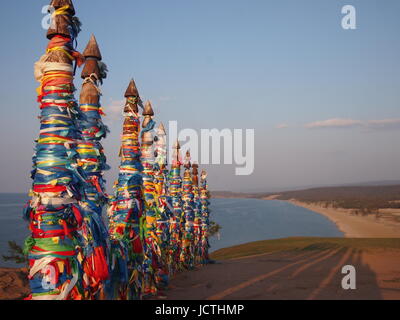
[[323, 101]]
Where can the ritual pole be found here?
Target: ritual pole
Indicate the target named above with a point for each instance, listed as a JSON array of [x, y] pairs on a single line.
[[92, 162], [151, 248], [205, 212], [126, 208], [187, 255], [197, 213], [53, 249], [164, 212], [175, 192]]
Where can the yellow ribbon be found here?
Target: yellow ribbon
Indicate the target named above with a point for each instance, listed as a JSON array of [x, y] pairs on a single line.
[[61, 49], [62, 10]]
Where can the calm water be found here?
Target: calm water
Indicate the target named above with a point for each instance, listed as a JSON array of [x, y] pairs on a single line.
[[12, 226], [242, 220], [247, 220]]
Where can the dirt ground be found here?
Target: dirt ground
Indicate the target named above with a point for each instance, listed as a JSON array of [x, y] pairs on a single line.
[[315, 274], [285, 275], [13, 284]]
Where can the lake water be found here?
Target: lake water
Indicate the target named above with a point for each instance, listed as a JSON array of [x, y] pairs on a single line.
[[12, 226], [247, 220], [242, 221]]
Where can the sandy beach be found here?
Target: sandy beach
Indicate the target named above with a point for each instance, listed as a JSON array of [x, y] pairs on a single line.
[[357, 226]]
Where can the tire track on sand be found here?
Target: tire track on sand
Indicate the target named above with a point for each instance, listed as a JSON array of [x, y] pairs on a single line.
[[245, 284]]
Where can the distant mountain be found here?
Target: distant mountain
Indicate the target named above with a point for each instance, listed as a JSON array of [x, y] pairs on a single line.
[[369, 196], [250, 193], [229, 194], [366, 197], [375, 183]]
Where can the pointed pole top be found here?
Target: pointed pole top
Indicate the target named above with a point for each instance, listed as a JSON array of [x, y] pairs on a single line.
[[58, 4], [148, 109], [91, 67], [177, 145], [187, 160], [195, 174], [161, 129], [92, 49], [132, 90]]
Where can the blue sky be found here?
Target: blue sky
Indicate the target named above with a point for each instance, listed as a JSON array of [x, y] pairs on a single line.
[[324, 102]]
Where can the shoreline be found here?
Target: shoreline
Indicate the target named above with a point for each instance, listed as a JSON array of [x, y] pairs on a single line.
[[354, 226]]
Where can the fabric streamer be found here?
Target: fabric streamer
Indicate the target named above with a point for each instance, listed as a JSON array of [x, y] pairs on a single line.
[[197, 226], [92, 163], [163, 225], [125, 212], [205, 212], [151, 243], [176, 220], [54, 251], [187, 254]]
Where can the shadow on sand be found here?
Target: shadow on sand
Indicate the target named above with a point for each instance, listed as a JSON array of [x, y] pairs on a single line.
[[310, 273]]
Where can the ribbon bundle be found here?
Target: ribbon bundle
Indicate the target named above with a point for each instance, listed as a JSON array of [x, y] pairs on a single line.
[[205, 221], [177, 221], [187, 255], [53, 249], [92, 163], [126, 212], [164, 215], [197, 226], [151, 242]]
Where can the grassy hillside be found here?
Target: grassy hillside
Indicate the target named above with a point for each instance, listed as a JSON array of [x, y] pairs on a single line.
[[241, 195], [302, 243], [332, 193], [366, 197]]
